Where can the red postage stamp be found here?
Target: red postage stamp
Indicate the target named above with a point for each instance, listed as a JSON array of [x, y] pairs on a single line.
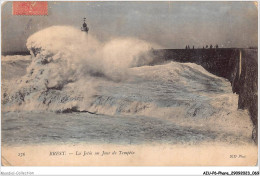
[[30, 8]]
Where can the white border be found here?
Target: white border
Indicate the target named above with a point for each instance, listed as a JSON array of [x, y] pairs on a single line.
[[127, 170]]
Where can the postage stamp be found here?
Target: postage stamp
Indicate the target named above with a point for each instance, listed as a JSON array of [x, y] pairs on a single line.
[[30, 8]]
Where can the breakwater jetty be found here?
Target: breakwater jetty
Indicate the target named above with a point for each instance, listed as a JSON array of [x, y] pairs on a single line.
[[239, 66]]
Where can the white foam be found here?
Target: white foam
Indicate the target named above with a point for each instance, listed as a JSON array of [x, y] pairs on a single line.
[[72, 70]]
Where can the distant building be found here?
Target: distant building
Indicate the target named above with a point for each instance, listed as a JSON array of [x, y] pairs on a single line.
[[84, 26]]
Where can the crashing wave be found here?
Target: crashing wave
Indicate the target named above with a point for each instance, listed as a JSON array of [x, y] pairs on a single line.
[[67, 65], [72, 71]]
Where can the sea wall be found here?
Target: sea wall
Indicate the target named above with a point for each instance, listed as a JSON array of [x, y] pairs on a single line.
[[239, 66], [245, 83]]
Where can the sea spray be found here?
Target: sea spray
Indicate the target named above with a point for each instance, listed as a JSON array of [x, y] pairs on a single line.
[[75, 52], [70, 73], [67, 66]]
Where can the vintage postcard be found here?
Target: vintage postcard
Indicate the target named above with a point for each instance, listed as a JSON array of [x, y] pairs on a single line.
[[129, 83]]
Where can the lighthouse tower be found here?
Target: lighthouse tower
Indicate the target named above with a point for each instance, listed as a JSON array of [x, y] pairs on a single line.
[[84, 26]]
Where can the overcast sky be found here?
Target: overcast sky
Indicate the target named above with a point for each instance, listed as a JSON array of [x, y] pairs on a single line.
[[168, 24]]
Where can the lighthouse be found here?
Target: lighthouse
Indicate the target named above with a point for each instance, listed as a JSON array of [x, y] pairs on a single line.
[[84, 26]]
